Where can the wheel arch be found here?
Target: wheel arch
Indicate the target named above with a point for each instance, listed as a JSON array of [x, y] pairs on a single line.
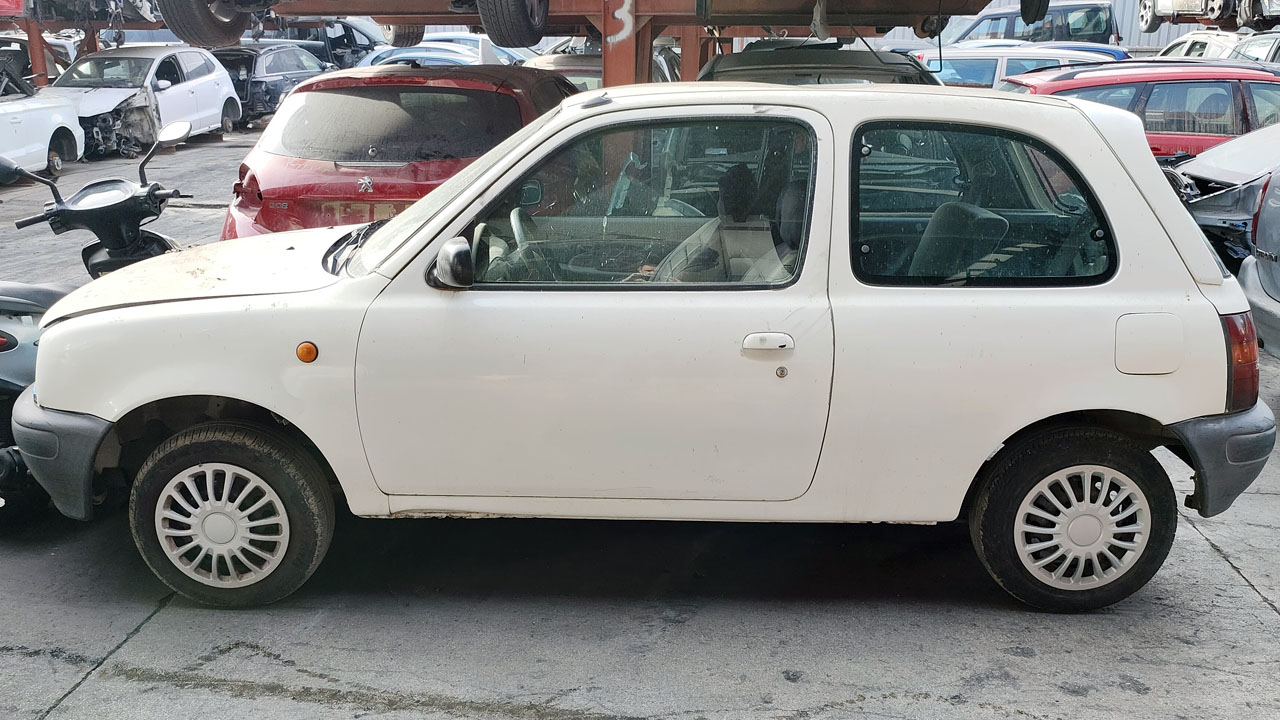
[[1146, 432], [141, 430], [64, 135]]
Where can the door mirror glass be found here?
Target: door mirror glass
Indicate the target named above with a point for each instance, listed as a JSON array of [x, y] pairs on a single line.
[[9, 171], [453, 268], [531, 193], [175, 133], [163, 85]]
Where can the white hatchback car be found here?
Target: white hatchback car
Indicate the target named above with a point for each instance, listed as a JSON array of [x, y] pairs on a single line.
[[740, 302], [125, 95]]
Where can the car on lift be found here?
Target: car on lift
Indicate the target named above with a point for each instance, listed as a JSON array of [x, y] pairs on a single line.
[[44, 131], [468, 55], [262, 74], [1187, 105], [1225, 14], [122, 95], [791, 62], [357, 146], [342, 42], [1230, 190], [986, 66]]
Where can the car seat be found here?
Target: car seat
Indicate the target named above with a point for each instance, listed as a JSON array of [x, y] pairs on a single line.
[[958, 234]]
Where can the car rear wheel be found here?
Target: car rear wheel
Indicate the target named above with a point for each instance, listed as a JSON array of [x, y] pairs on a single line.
[[404, 35], [514, 23], [1073, 519], [232, 514], [1148, 21], [229, 117], [205, 23]]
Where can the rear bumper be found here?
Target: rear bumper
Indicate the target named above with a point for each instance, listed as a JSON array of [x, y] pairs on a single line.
[[59, 449], [1228, 453], [239, 223]]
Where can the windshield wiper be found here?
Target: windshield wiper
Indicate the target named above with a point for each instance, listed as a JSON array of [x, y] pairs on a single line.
[[335, 259]]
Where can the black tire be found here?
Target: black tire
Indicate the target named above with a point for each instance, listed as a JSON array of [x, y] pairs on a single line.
[[1017, 471], [402, 36], [203, 23], [1033, 11], [229, 117], [1148, 20], [514, 23], [295, 476]]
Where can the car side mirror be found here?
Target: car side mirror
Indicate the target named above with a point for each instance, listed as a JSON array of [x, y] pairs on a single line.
[[454, 268], [330, 66], [163, 85], [531, 193], [9, 171]]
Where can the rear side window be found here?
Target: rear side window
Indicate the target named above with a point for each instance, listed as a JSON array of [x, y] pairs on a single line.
[[1174, 50], [967, 72], [1197, 48], [1038, 31], [1266, 102], [390, 124], [306, 62], [989, 29], [1119, 96], [279, 62], [953, 205], [1252, 50], [1089, 24], [1193, 108], [1017, 66]]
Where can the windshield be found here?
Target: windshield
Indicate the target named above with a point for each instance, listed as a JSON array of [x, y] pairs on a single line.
[[391, 236], [955, 28], [396, 124], [106, 72]]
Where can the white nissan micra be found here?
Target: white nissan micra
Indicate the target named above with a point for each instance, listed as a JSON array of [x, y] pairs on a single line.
[[711, 302]]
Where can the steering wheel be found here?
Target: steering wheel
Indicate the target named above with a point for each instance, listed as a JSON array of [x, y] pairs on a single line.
[[519, 216]]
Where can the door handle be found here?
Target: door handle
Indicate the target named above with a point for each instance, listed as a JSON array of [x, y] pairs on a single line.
[[768, 341]]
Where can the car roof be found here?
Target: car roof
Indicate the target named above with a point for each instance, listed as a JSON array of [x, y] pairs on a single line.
[[1008, 9], [1128, 71], [811, 58], [1012, 51], [567, 61], [496, 76], [256, 48], [140, 51]]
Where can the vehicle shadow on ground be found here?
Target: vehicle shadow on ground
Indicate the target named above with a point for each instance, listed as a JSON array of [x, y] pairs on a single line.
[[587, 559], [648, 560]]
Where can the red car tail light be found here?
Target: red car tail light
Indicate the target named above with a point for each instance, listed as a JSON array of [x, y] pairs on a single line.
[[7, 342], [247, 189], [1242, 361]]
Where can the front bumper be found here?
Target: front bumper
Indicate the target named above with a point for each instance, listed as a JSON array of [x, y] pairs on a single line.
[[1227, 452], [59, 449]]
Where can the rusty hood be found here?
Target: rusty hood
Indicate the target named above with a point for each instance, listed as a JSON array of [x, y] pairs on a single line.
[[262, 265]]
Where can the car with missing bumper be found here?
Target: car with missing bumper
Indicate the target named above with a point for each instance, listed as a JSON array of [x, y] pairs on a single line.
[[123, 95], [698, 302]]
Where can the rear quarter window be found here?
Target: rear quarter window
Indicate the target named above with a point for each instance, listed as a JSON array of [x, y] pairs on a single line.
[[1118, 96], [949, 205]]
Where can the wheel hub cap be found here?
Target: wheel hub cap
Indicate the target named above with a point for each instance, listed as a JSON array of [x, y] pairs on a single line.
[[1082, 527], [222, 525]]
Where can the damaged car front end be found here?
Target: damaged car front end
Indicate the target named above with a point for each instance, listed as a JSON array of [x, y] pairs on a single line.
[[117, 108], [1232, 193]]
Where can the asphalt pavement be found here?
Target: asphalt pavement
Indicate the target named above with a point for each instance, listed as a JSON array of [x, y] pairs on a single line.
[[585, 620]]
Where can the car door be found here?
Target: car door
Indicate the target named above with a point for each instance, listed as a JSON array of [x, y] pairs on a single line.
[[177, 101], [628, 335], [1190, 117], [206, 86], [15, 130]]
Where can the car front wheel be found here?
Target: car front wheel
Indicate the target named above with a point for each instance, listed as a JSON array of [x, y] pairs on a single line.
[[1073, 519], [232, 514]]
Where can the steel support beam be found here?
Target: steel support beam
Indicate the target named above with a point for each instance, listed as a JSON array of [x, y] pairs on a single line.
[[35, 49]]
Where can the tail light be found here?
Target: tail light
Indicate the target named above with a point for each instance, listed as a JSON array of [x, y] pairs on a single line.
[[7, 342], [1262, 201], [247, 189], [1242, 361]]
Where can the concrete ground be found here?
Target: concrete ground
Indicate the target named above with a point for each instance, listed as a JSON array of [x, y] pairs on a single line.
[[562, 620]]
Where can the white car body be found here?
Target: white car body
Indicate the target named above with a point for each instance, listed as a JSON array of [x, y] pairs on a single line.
[[1202, 43], [31, 126], [1003, 61], [882, 404], [200, 95]]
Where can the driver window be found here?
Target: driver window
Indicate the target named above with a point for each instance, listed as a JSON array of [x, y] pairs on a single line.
[[168, 70], [723, 202]]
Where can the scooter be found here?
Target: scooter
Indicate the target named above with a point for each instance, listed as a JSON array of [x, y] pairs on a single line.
[[114, 210]]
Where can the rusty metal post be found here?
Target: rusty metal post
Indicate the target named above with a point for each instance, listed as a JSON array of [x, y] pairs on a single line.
[[35, 48], [690, 52], [90, 42], [624, 37]]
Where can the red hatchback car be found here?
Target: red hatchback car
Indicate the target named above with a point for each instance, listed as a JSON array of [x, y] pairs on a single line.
[[363, 144], [1187, 106]]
